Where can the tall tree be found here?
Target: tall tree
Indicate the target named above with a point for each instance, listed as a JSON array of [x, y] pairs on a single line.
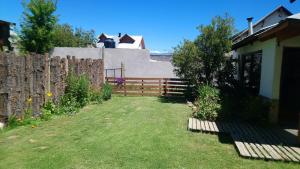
[[212, 44], [71, 37], [37, 26], [214, 41]]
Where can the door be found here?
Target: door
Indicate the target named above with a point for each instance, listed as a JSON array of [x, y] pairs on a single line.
[[290, 87]]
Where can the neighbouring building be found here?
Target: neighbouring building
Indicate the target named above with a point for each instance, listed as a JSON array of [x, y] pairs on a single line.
[[136, 62], [125, 42], [268, 54], [5, 34]]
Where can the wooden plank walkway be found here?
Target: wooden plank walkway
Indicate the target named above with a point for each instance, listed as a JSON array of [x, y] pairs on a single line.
[[253, 141]]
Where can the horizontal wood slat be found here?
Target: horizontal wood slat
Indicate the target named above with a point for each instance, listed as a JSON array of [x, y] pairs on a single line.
[[253, 141], [145, 86]]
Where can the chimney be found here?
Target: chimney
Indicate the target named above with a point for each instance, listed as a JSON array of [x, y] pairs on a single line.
[[250, 25], [119, 35]]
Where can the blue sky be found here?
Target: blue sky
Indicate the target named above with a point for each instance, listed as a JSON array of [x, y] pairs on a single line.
[[163, 23]]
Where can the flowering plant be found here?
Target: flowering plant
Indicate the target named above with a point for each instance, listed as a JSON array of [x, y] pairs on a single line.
[[120, 81], [49, 94]]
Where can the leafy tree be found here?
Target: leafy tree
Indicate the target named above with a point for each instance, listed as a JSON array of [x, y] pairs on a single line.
[[84, 38], [37, 26], [201, 60], [214, 42], [63, 36], [187, 61], [71, 37]]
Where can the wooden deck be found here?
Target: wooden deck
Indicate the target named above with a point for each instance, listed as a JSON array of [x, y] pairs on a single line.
[[253, 141]]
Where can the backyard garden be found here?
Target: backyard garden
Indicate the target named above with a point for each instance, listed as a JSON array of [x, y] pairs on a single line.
[[124, 132], [84, 124]]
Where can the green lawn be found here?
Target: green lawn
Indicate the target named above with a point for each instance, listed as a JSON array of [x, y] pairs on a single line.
[[125, 132]]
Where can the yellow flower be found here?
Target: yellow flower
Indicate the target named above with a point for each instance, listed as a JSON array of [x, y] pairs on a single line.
[[49, 94], [29, 100], [33, 126]]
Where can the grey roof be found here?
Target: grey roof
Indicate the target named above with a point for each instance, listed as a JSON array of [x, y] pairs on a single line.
[[262, 19], [260, 33]]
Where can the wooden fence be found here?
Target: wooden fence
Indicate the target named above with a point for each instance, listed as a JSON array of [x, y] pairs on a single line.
[[148, 86]]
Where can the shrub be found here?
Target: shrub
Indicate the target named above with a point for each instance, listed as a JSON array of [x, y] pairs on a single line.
[[13, 121], [106, 91], [48, 110], [46, 114], [68, 104], [96, 96], [51, 107], [27, 118], [208, 103], [78, 87]]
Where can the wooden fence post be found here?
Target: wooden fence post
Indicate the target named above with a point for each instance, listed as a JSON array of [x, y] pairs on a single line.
[[166, 87], [142, 87], [125, 87], [159, 81]]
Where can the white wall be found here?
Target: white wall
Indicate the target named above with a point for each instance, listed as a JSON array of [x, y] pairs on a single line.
[[268, 64], [137, 63], [272, 54], [63, 52]]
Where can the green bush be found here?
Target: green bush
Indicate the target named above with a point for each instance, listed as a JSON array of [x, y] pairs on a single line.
[[13, 121], [26, 119], [78, 87], [96, 96], [208, 103], [46, 114], [106, 91], [51, 107], [48, 110], [68, 104]]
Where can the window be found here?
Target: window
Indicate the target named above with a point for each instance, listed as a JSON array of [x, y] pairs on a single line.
[[250, 70]]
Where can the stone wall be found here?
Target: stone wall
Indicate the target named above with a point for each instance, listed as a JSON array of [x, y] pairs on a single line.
[[25, 80]]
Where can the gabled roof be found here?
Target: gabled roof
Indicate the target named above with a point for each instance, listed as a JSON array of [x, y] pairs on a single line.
[[105, 35], [285, 29], [138, 43], [126, 41], [280, 8], [6, 22]]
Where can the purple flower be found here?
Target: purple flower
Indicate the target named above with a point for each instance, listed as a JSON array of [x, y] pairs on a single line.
[[119, 81]]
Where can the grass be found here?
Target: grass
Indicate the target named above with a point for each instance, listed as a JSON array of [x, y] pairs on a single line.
[[124, 132]]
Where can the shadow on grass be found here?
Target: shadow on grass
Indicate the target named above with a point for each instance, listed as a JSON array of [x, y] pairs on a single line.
[[225, 138], [172, 99]]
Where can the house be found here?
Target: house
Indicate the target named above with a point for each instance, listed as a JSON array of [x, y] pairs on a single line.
[[268, 55], [125, 42], [5, 34]]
